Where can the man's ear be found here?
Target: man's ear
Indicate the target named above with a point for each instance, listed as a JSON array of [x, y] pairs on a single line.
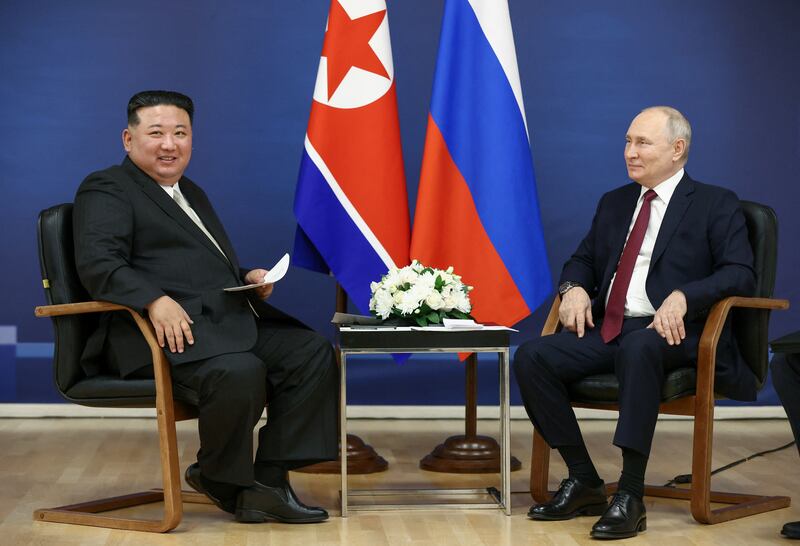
[[678, 149], [126, 139]]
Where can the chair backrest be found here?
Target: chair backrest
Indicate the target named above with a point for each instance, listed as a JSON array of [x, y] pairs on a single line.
[[750, 326], [62, 285]]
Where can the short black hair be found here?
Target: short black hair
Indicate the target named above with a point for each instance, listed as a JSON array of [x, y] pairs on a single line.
[[143, 99]]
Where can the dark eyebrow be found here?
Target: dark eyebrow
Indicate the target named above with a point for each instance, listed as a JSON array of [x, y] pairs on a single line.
[[158, 125]]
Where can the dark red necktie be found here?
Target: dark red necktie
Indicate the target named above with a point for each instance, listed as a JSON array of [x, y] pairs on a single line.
[[615, 308]]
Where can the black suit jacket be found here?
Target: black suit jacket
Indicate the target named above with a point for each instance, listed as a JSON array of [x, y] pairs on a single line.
[[702, 249], [134, 244]]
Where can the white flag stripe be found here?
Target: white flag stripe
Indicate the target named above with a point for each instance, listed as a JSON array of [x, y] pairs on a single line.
[[495, 20], [348, 206]]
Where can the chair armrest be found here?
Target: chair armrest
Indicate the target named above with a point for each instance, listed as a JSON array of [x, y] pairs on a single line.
[[165, 408], [145, 327], [78, 308], [552, 324], [719, 314], [707, 348]]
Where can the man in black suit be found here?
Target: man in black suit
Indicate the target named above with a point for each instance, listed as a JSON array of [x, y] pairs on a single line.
[[634, 296], [147, 237]]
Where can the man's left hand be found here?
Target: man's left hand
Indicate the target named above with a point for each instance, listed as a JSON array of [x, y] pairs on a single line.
[[255, 276], [668, 320]]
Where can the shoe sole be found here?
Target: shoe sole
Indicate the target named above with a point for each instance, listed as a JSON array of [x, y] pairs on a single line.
[[589, 510], [641, 526], [256, 516]]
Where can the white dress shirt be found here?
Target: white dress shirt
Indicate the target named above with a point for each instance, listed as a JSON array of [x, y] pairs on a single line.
[[637, 304]]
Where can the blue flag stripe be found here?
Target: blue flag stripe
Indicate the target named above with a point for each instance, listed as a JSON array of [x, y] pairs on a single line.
[[323, 219]]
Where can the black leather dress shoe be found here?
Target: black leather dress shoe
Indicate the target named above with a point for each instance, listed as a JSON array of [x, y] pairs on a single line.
[[192, 477], [572, 499], [259, 503], [791, 530], [625, 517]]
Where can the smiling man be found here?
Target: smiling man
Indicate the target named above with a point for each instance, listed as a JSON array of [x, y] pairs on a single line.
[[634, 296], [147, 237]]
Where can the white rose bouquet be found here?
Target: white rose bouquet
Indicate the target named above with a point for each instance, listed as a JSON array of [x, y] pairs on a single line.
[[422, 294]]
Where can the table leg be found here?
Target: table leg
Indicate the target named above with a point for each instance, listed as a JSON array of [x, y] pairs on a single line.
[[343, 428], [505, 432]]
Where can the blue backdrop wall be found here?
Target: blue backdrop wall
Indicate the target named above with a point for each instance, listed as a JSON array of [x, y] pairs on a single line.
[[67, 70]]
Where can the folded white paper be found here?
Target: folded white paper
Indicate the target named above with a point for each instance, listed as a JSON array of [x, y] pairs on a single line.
[[276, 273], [455, 324]]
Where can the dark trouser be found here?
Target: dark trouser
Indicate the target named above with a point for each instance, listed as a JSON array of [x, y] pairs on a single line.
[[291, 369], [786, 378], [545, 367]]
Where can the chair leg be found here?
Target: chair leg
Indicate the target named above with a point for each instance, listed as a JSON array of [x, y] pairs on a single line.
[[540, 468], [700, 494], [89, 513]]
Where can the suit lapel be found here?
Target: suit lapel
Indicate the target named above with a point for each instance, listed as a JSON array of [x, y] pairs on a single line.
[[623, 215], [678, 204], [202, 207], [170, 207]]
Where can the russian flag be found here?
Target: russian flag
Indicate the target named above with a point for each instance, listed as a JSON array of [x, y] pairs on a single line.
[[351, 203], [477, 207]]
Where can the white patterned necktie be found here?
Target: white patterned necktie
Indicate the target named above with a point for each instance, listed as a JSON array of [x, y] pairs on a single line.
[[178, 197]]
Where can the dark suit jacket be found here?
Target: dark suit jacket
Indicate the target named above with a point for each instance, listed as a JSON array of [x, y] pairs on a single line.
[[702, 249], [134, 244]]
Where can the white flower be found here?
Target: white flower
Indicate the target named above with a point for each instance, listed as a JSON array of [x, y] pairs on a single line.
[[407, 275], [434, 300], [383, 304], [462, 302]]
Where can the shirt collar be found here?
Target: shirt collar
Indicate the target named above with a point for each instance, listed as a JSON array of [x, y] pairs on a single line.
[[665, 189], [171, 189]]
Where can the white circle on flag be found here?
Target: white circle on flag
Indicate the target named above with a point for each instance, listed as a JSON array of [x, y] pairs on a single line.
[[359, 87]]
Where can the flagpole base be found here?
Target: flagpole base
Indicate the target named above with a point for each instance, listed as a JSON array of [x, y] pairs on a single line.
[[361, 459], [463, 454]]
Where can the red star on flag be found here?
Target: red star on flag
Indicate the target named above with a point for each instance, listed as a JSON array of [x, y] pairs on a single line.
[[347, 45]]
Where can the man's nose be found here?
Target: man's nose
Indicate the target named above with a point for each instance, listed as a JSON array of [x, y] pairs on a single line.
[[630, 151], [168, 142]]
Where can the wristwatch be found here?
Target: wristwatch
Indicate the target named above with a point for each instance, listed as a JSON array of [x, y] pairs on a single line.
[[566, 286]]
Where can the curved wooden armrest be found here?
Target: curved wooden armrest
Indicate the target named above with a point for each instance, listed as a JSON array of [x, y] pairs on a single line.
[[552, 325], [160, 365], [719, 314], [79, 308]]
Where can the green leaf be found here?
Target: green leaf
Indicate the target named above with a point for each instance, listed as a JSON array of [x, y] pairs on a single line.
[[439, 283], [421, 320], [433, 317]]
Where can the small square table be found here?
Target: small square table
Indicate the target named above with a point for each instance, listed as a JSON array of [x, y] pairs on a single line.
[[383, 340]]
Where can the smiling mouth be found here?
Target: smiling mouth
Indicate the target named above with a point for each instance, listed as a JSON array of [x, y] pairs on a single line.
[[167, 159]]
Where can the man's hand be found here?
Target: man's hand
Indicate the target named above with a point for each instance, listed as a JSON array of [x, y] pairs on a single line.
[[575, 311], [255, 276], [171, 323], [668, 320]]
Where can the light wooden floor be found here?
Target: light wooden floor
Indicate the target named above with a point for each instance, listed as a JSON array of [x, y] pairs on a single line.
[[49, 462]]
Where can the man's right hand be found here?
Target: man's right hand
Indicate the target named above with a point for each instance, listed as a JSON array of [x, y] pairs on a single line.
[[575, 311], [171, 323]]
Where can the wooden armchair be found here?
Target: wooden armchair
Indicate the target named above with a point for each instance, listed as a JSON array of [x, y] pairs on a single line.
[[74, 319], [690, 391]]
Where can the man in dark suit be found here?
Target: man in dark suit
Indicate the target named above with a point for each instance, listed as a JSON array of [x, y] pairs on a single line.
[[634, 296], [147, 237]]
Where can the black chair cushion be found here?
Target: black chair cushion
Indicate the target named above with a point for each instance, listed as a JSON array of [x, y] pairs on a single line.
[[107, 390], [604, 388]]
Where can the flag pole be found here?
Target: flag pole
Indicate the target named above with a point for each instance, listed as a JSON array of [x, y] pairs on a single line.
[[361, 457], [469, 453]]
